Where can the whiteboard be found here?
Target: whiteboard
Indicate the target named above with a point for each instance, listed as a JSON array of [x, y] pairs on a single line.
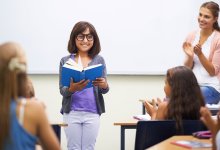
[[137, 36]]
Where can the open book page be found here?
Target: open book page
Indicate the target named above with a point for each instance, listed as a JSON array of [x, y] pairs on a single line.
[[142, 117], [93, 66], [192, 144], [80, 62], [71, 64]]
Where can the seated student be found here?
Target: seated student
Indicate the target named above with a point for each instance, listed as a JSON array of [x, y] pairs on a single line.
[[213, 125], [184, 97], [24, 121]]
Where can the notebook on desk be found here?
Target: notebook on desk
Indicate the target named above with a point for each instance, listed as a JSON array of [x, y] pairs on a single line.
[[192, 144], [142, 117]]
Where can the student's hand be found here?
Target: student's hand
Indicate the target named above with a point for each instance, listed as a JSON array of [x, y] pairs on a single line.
[[197, 49], [158, 101], [101, 83], [206, 118], [188, 49], [155, 102], [151, 109], [77, 86]]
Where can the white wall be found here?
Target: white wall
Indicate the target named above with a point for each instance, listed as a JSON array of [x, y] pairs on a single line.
[[143, 30], [121, 104]]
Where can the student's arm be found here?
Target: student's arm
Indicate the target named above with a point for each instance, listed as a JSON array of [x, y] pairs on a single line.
[[207, 120], [45, 132], [209, 67], [210, 123], [104, 88]]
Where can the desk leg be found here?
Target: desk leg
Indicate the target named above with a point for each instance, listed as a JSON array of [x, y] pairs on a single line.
[[123, 127], [122, 138]]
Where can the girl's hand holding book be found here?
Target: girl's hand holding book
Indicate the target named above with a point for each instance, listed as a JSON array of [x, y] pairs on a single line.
[[101, 83], [78, 86]]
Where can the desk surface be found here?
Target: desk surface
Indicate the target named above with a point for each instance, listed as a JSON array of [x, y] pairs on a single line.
[[126, 123], [165, 145], [59, 124]]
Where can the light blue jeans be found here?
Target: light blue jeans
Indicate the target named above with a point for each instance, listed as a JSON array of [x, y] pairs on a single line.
[[82, 130], [211, 95]]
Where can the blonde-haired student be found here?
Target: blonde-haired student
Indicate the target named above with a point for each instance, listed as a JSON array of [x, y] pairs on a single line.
[[24, 121]]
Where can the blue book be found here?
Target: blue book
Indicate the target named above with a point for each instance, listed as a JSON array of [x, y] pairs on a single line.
[[77, 74]]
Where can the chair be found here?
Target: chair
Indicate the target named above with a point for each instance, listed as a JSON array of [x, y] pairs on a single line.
[[149, 133]]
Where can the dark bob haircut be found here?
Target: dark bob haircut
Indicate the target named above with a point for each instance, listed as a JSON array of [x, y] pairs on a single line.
[[79, 28]]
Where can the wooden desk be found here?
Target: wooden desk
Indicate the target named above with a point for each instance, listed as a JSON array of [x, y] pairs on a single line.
[[166, 145], [125, 125]]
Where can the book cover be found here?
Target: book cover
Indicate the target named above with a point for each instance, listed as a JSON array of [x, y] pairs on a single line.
[[192, 144], [77, 74]]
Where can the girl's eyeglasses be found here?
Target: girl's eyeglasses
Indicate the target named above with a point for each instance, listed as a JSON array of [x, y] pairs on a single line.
[[81, 37]]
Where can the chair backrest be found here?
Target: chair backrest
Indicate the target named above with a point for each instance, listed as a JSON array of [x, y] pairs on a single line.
[[149, 133]]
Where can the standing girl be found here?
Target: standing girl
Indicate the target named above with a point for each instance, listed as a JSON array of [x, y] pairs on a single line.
[[82, 107]]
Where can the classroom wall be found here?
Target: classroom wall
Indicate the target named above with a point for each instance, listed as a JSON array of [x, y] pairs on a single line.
[[143, 30], [121, 104]]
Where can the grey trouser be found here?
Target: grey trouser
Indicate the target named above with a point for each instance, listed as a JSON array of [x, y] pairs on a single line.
[[82, 130]]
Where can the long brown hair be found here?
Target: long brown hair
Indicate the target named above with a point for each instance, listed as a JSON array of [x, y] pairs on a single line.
[[12, 85], [214, 8], [186, 97]]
